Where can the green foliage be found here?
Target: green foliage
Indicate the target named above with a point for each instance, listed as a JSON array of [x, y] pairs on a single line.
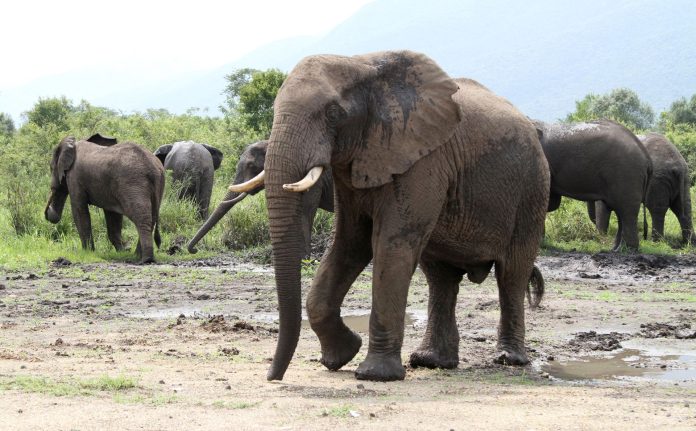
[[7, 126], [251, 93], [683, 136], [621, 104], [682, 111], [54, 110]]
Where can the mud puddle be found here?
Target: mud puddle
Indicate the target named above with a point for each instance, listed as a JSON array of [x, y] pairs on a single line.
[[639, 360], [359, 322]]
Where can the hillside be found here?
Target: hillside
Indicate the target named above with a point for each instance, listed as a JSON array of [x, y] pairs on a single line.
[[541, 54]]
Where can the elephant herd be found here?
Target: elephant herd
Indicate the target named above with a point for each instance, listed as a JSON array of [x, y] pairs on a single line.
[[420, 169]]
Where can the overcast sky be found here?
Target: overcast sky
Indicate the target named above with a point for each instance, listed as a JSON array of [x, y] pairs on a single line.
[[41, 38]]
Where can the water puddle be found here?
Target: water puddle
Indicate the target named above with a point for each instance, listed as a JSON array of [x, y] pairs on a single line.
[[361, 322], [666, 360]]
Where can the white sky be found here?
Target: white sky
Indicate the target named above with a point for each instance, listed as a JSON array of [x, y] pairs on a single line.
[[41, 37]]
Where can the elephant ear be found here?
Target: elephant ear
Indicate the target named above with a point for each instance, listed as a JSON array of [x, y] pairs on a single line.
[[217, 155], [104, 141], [161, 152], [411, 113], [66, 158]]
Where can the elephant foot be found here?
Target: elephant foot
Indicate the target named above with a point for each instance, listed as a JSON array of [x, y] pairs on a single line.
[[432, 359], [381, 368], [510, 356], [342, 350], [147, 260]]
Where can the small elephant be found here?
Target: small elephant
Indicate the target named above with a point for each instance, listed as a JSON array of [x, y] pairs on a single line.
[[249, 166], [193, 166], [669, 189], [122, 179], [598, 160], [427, 170]]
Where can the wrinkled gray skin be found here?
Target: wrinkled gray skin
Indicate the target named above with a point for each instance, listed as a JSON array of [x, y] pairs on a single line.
[[251, 164], [193, 166], [598, 160], [424, 174], [669, 189], [122, 179]]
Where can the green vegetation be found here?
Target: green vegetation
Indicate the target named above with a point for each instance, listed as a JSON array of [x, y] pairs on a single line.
[[621, 104], [68, 387], [29, 241]]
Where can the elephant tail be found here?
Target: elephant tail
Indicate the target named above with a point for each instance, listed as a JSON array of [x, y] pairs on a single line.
[[646, 186], [156, 201], [535, 288]]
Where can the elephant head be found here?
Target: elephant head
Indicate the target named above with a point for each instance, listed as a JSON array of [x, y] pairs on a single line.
[[249, 166], [161, 154], [62, 161], [369, 117]]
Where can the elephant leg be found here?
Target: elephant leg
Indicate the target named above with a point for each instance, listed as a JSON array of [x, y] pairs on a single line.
[[440, 345], [554, 202], [657, 214], [591, 211], [603, 214], [628, 226], [114, 225], [344, 260], [512, 276], [83, 223], [684, 218]]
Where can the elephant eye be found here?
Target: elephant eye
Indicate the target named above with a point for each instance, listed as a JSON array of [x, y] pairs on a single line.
[[335, 113]]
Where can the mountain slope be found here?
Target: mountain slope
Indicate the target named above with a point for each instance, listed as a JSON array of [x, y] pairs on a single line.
[[543, 55]]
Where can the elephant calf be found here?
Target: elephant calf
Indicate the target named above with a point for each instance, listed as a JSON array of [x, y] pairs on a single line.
[[249, 166], [669, 189], [123, 179], [193, 166], [598, 161]]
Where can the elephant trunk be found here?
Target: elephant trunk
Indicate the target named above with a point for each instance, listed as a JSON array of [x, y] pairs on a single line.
[[229, 201], [54, 207], [288, 247]]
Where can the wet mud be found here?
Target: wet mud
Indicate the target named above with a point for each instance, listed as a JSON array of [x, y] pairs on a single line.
[[607, 322]]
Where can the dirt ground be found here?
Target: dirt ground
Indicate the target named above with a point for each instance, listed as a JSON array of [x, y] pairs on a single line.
[[613, 347]]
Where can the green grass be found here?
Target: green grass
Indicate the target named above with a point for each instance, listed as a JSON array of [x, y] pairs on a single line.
[[68, 387], [342, 411], [238, 405]]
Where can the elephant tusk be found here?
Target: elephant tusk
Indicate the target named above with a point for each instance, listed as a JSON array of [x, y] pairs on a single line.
[[306, 182], [249, 185], [235, 200]]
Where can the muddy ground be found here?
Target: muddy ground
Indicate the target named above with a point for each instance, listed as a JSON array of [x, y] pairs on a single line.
[[613, 347]]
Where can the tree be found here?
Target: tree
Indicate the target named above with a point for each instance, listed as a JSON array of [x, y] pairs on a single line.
[[55, 111], [682, 111], [7, 126], [621, 104], [250, 94]]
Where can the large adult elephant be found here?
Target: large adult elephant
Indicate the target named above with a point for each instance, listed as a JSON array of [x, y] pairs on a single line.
[[193, 167], [669, 189], [598, 160], [123, 179], [426, 170], [249, 166]]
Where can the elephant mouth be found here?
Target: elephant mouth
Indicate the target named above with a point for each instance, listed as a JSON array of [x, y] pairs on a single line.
[[51, 215]]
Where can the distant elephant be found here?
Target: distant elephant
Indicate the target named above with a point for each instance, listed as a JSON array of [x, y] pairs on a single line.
[[669, 189], [249, 166], [427, 169], [193, 166], [122, 179], [598, 160]]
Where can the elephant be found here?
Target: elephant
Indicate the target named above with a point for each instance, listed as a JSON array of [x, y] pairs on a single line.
[[121, 178], [427, 170], [598, 160], [193, 166], [668, 189], [249, 166]]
